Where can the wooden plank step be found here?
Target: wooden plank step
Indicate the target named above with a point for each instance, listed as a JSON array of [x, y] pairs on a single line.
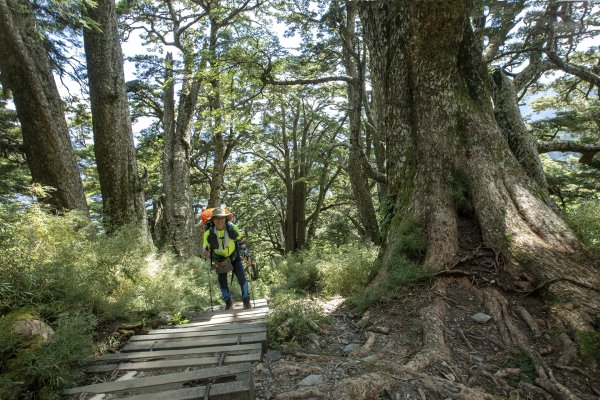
[[198, 333], [236, 307], [231, 326], [228, 320], [232, 317], [162, 354], [193, 342], [162, 380], [254, 311], [241, 390], [175, 363]]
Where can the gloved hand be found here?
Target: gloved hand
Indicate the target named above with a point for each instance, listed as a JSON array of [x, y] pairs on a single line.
[[244, 251], [205, 253]]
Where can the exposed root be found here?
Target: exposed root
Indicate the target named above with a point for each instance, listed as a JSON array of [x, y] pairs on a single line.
[[531, 323], [434, 344], [451, 389], [300, 394], [569, 349], [364, 387], [317, 328], [301, 354], [379, 329], [513, 336], [528, 387], [467, 341], [543, 287], [367, 347], [391, 352]]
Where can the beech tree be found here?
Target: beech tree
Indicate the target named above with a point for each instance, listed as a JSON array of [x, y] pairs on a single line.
[[201, 32], [26, 70], [330, 39], [451, 171], [302, 150], [122, 189], [550, 39]]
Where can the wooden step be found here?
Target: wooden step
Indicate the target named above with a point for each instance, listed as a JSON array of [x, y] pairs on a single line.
[[227, 320], [242, 390], [208, 328], [194, 342], [163, 354], [197, 333], [175, 363], [155, 382]]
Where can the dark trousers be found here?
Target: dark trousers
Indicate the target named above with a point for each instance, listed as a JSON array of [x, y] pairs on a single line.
[[238, 270]]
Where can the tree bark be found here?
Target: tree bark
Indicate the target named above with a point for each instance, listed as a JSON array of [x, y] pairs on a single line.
[[216, 106], [520, 141], [436, 112], [356, 173], [122, 192], [25, 69], [182, 237]]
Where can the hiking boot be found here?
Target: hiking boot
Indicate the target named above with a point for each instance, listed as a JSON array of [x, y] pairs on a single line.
[[229, 304], [247, 305]]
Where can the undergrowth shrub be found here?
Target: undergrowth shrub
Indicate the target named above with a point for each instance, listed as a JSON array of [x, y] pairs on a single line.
[[584, 217], [44, 367], [403, 267], [291, 318], [53, 265], [348, 271], [331, 271]]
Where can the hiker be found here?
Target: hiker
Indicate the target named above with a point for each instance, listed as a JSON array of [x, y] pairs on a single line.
[[224, 244]]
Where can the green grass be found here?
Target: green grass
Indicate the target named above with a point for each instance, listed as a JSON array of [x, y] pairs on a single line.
[[290, 319]]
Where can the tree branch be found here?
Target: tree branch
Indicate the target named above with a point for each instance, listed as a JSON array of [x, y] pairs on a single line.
[[563, 145]]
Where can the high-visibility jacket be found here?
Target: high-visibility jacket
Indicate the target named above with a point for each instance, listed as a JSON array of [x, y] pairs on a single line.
[[214, 241]]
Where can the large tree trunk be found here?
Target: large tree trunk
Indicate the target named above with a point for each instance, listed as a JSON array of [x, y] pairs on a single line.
[[361, 191], [520, 141], [121, 187], [25, 69], [216, 105], [447, 156], [454, 178], [181, 233]]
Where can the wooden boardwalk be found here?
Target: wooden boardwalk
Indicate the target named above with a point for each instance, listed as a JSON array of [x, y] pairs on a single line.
[[210, 358]]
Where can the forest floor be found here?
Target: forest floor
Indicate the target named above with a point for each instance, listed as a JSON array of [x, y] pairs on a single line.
[[362, 358], [468, 333]]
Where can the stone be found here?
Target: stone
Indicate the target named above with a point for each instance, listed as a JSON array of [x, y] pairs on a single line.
[[30, 328], [351, 347], [164, 317], [260, 367], [478, 358], [272, 356], [481, 318], [312, 380]]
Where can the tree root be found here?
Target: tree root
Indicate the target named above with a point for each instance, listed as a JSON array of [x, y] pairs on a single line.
[[543, 287], [300, 394], [367, 347], [513, 336], [531, 323], [365, 386], [569, 350]]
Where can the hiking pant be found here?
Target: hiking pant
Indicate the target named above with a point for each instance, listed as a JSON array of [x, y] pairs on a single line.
[[238, 270]]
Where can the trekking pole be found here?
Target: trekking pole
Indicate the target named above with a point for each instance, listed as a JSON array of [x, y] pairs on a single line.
[[210, 281], [250, 288]]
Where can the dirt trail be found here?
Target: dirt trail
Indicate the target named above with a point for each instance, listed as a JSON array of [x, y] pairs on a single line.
[[463, 334]]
